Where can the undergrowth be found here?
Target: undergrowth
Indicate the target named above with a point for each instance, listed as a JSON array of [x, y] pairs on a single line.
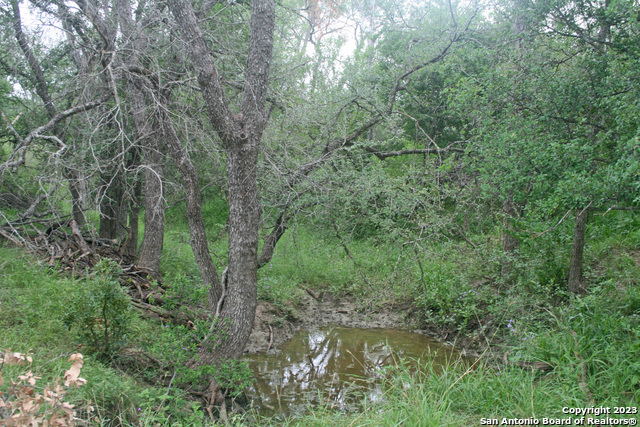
[[590, 341]]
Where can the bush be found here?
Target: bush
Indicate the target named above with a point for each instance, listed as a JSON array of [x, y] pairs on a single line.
[[101, 311]]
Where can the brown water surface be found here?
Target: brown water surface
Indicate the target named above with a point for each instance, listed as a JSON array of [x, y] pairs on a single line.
[[334, 365]]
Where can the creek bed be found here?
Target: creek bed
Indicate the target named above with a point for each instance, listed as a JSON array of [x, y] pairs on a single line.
[[336, 366]]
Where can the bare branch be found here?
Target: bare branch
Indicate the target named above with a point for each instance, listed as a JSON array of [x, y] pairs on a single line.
[[17, 158], [384, 155]]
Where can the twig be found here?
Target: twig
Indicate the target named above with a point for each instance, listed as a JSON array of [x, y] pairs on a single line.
[[224, 292], [8, 236], [554, 227], [346, 250], [270, 338], [469, 242], [166, 394]]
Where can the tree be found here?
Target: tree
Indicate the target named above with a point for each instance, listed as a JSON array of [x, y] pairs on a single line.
[[241, 134], [546, 119]]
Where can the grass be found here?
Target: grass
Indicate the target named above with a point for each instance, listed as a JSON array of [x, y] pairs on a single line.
[[592, 341], [33, 304]]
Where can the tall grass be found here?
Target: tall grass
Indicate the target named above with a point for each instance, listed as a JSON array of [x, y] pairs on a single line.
[[33, 303], [591, 341]]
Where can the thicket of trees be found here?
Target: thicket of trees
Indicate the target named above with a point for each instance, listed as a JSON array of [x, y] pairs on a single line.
[[408, 120]]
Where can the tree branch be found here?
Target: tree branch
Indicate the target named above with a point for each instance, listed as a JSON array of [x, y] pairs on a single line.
[[17, 158], [384, 155]]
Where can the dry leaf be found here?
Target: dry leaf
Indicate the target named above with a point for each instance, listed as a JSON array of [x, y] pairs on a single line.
[[71, 376], [11, 358]]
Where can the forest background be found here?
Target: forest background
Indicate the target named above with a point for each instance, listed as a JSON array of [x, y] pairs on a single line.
[[475, 163]]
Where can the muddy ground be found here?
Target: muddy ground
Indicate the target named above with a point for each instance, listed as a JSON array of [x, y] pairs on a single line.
[[273, 326]]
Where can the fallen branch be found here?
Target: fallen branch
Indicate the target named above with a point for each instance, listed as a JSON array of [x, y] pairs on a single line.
[[78, 235], [270, 338]]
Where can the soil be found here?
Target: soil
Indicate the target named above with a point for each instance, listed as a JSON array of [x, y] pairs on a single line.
[[273, 326]]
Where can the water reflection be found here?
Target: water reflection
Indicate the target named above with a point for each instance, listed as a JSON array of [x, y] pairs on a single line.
[[334, 365]]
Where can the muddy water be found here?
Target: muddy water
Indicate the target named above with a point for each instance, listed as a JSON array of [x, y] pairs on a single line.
[[334, 365]]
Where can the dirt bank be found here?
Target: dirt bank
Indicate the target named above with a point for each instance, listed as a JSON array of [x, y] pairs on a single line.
[[273, 326]]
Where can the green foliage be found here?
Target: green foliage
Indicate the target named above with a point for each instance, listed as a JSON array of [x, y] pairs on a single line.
[[184, 293], [100, 311], [34, 301], [439, 291], [177, 256], [591, 344], [596, 338], [178, 344], [234, 376]]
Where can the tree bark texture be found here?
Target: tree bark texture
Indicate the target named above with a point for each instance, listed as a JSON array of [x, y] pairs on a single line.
[[576, 284], [77, 196], [193, 202], [131, 248], [153, 239], [148, 134], [111, 206], [241, 135], [272, 239]]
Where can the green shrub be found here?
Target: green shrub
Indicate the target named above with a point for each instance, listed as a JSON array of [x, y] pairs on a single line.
[[101, 312], [234, 376], [178, 344]]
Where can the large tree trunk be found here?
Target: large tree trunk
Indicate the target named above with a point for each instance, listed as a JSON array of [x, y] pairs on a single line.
[[148, 136], [131, 247], [153, 239], [241, 135], [131, 241], [241, 280], [77, 196], [110, 206], [576, 284]]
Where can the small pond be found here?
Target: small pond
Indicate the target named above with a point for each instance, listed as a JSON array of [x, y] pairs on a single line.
[[334, 365]]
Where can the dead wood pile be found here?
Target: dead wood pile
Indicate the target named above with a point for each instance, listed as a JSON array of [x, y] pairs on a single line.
[[67, 248]]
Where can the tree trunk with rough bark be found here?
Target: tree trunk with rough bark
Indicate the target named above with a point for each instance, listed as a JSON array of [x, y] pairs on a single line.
[[111, 206], [75, 190], [148, 135], [193, 203], [241, 135], [131, 247], [576, 284], [153, 239]]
